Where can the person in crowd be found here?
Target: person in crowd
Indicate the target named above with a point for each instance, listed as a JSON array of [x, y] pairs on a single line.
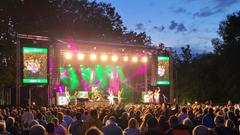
[[162, 124], [229, 124], [112, 127], [200, 130], [58, 128], [188, 124], [37, 130], [132, 127], [83, 115], [236, 116], [176, 128], [143, 126], [10, 126], [94, 131], [67, 118], [123, 120], [33, 122], [27, 118], [220, 128], [92, 120], [60, 116], [152, 127], [183, 115], [3, 130], [50, 129], [208, 119], [137, 116], [76, 126], [49, 116], [40, 120]]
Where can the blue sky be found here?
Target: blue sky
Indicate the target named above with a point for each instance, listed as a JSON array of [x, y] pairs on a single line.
[[176, 22]]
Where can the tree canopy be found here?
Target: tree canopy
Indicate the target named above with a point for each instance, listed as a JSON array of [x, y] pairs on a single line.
[[212, 76], [77, 19]]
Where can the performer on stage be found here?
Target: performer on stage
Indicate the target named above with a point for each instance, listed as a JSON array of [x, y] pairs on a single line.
[[75, 97], [165, 99], [150, 96], [156, 95], [120, 96], [67, 96], [111, 98]]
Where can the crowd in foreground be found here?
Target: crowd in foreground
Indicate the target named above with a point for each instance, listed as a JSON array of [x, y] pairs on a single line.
[[128, 119]]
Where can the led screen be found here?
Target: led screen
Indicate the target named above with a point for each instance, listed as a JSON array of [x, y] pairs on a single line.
[[35, 65], [163, 70]]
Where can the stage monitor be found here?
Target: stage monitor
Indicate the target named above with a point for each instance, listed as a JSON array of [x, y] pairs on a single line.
[[83, 94], [35, 69], [163, 70]]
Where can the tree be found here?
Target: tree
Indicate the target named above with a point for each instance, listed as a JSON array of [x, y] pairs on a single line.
[[83, 19], [186, 54]]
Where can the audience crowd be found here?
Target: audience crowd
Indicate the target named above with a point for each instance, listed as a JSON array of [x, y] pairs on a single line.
[[130, 119]]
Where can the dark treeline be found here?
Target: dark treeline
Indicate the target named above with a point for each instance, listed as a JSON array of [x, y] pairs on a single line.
[[213, 76]]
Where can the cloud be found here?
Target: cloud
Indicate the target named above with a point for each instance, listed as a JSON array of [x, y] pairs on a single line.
[[223, 4], [203, 14], [159, 28], [218, 6], [173, 25], [179, 27], [180, 10], [193, 29], [140, 27]]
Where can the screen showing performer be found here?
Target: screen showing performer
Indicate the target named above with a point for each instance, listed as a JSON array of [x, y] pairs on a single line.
[[35, 65], [163, 70]]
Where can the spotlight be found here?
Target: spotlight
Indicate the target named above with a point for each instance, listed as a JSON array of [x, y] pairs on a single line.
[[114, 58], [68, 55], [134, 59], [80, 56], [93, 57], [104, 57], [125, 58], [144, 59]]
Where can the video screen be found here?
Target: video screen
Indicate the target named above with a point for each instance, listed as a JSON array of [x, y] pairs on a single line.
[[163, 70], [35, 63]]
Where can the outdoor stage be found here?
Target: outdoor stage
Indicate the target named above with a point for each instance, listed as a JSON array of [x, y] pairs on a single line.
[[72, 68], [104, 69]]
